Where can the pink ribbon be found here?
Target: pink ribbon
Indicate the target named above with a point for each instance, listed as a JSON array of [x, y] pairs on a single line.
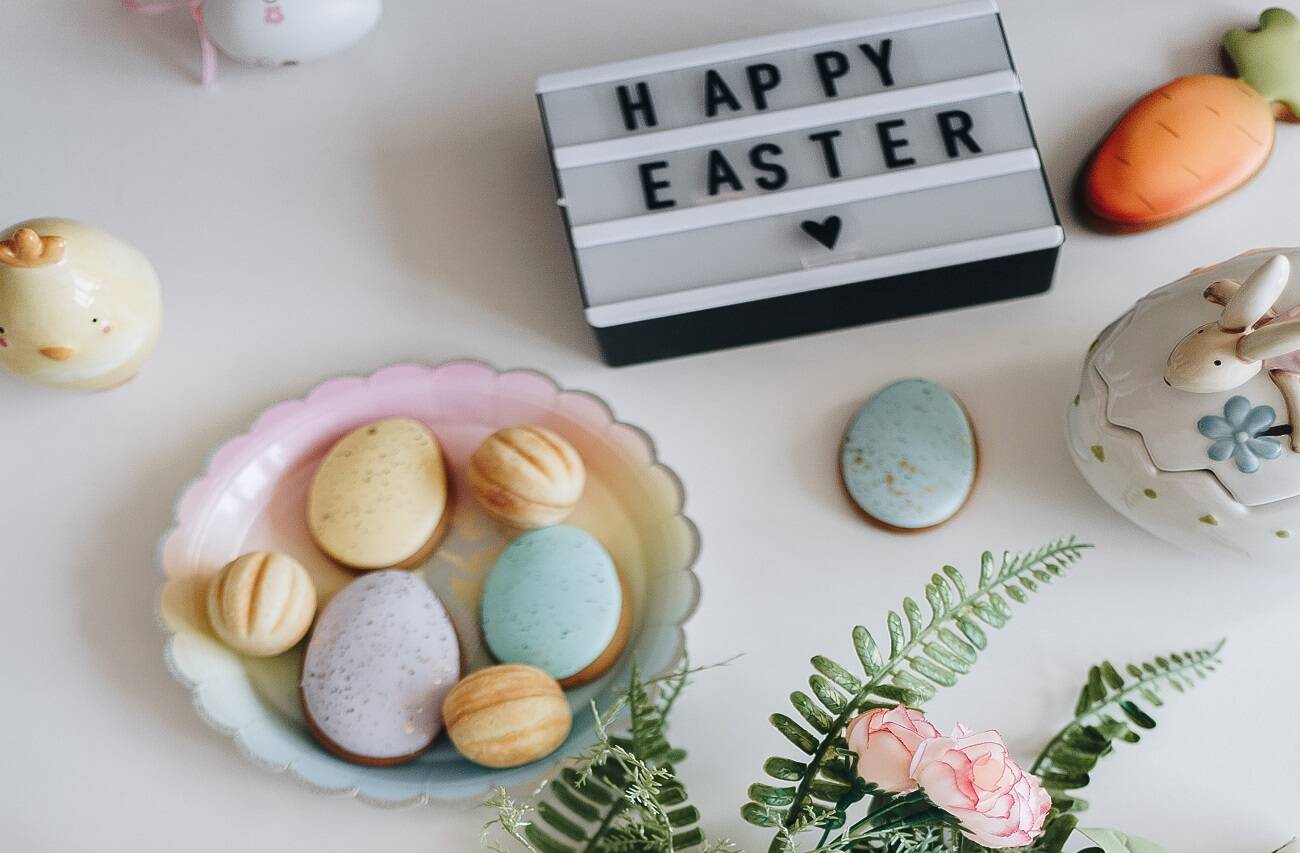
[[206, 46]]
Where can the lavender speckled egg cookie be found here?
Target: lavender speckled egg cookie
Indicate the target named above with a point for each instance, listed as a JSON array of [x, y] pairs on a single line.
[[380, 661], [909, 456]]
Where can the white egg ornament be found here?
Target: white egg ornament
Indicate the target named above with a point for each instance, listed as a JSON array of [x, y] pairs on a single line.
[[79, 308], [287, 32], [1187, 419]]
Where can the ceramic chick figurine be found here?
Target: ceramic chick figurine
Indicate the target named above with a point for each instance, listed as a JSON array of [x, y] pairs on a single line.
[[79, 308]]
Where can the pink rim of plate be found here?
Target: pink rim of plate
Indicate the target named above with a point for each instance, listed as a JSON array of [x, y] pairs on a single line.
[[234, 454]]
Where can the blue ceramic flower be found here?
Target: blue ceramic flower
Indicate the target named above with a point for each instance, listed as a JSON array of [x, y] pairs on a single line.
[[1237, 434]]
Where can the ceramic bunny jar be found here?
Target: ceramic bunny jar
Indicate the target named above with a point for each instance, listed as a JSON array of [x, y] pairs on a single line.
[[1188, 416], [79, 308]]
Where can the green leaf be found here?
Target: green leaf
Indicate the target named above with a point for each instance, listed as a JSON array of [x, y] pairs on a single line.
[[1064, 781], [760, 815], [1113, 679], [912, 611], [816, 717], [1056, 832], [897, 639], [836, 673], [565, 795], [784, 769], [958, 582], [544, 842], [624, 790], [1106, 696], [973, 632], [793, 733], [938, 674], [940, 655], [1137, 715], [770, 796], [868, 655], [557, 821], [826, 693], [958, 646], [1111, 841]]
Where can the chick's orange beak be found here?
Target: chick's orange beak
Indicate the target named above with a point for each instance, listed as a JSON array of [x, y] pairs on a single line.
[[58, 353]]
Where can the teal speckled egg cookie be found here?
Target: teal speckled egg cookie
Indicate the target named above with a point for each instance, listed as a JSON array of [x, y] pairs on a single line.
[[553, 600], [909, 457]]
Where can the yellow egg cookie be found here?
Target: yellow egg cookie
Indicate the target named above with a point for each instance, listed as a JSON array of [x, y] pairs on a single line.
[[380, 499]]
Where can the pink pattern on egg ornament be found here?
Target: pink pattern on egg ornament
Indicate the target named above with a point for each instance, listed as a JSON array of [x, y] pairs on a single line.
[[275, 15]]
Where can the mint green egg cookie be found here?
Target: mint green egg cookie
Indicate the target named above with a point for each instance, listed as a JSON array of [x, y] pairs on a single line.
[[909, 458], [553, 600]]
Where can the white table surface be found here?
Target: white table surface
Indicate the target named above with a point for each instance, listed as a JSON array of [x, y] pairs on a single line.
[[395, 203]]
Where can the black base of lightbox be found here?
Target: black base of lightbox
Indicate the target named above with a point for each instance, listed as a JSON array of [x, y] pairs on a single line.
[[836, 307]]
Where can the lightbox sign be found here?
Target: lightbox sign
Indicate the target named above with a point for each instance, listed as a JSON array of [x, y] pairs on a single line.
[[799, 182]]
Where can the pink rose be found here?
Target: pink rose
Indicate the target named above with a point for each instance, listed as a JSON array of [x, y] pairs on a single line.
[[885, 740], [973, 778]]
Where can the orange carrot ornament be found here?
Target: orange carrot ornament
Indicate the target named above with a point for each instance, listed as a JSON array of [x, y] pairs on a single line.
[[1196, 139]]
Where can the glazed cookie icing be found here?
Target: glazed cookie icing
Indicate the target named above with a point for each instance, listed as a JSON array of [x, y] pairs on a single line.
[[379, 498], [909, 457], [552, 600], [1198, 138], [380, 662]]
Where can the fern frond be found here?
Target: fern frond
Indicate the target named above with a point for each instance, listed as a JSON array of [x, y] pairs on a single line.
[[1109, 710], [926, 652], [621, 795]]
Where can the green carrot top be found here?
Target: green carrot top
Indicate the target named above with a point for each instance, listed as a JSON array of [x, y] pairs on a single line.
[[1269, 58]]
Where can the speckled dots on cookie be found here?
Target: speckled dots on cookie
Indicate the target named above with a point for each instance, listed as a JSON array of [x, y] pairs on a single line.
[[553, 600], [380, 661], [379, 498], [909, 458]]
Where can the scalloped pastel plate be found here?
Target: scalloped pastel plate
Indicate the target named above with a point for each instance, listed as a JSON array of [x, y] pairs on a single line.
[[253, 496]]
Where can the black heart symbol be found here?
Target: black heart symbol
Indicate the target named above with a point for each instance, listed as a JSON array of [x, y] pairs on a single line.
[[826, 232]]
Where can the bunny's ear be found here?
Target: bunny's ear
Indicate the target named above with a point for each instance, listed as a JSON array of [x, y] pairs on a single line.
[[1222, 291], [1257, 295], [1271, 341]]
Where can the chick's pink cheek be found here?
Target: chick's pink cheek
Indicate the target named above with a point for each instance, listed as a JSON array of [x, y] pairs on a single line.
[[108, 329], [4, 344]]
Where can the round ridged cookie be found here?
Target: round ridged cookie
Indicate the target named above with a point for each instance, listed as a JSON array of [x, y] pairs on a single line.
[[261, 604], [527, 476], [554, 600], [506, 716], [380, 499]]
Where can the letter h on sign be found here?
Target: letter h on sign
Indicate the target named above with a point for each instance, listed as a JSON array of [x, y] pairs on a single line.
[[800, 182]]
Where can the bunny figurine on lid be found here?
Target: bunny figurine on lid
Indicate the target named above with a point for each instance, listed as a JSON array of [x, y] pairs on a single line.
[[79, 308], [1188, 418]]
